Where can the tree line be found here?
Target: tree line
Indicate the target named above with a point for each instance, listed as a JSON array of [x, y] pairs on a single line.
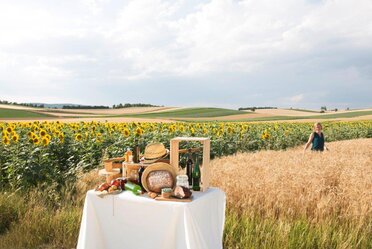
[[253, 108]]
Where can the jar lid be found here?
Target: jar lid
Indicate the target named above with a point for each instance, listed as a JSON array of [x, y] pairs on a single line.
[[166, 190]]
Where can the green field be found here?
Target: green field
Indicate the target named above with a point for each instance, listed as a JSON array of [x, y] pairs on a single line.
[[188, 113], [11, 113]]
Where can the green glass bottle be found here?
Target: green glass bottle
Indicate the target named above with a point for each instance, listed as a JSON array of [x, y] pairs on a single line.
[[196, 176], [136, 189]]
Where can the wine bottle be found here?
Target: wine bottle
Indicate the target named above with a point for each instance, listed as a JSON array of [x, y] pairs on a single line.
[[196, 176], [136, 189], [189, 166], [140, 172], [136, 154]]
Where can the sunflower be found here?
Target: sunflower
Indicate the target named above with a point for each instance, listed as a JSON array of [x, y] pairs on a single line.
[[78, 137], [126, 132], [61, 137], [42, 132], [139, 131], [9, 129], [6, 140], [265, 135], [36, 140], [45, 141], [15, 138], [30, 134]]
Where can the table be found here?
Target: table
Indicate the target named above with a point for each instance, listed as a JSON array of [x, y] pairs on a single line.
[[139, 222]]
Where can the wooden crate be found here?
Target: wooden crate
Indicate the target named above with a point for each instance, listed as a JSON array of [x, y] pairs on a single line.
[[113, 163], [204, 169], [110, 175]]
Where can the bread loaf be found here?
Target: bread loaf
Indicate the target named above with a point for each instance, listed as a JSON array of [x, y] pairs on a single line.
[[156, 180]]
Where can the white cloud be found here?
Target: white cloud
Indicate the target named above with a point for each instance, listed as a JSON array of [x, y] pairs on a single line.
[[297, 98], [100, 42]]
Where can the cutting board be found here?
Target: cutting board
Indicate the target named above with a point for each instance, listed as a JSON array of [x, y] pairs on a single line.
[[160, 198]]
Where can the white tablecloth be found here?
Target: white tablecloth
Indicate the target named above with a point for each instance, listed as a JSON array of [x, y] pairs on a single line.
[[138, 222]]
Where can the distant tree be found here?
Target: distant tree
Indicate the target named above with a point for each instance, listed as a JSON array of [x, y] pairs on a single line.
[[347, 109], [336, 109], [323, 108]]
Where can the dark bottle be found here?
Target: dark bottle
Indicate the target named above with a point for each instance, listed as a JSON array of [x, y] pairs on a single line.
[[136, 154], [189, 166], [196, 176], [140, 172]]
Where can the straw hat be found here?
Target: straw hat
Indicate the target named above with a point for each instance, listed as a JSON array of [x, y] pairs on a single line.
[[154, 152], [157, 167]]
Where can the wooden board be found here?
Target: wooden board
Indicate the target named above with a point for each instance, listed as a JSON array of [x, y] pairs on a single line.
[[160, 198]]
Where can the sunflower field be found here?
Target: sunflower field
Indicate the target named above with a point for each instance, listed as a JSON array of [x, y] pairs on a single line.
[[34, 154]]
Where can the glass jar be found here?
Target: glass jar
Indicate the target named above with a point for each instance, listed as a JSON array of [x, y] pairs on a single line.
[[182, 180]]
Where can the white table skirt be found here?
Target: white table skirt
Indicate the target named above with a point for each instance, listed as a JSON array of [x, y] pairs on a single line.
[[138, 222]]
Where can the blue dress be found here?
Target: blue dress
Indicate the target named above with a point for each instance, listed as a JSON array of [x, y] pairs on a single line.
[[318, 142]]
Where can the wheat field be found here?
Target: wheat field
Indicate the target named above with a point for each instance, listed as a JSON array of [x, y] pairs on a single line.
[[291, 199]]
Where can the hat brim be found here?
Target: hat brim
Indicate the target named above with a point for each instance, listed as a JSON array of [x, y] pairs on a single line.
[[149, 161], [157, 167]]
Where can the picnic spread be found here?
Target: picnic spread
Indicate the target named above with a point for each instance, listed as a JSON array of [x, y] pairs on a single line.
[[149, 201]]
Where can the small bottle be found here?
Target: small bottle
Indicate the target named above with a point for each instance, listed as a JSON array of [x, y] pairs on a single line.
[[136, 154], [136, 189], [189, 166], [128, 155], [140, 172], [196, 176]]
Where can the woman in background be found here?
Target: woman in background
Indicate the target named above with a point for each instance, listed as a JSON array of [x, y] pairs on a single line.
[[316, 139]]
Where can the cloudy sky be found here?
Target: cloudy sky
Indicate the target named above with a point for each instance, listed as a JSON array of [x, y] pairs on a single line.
[[223, 53]]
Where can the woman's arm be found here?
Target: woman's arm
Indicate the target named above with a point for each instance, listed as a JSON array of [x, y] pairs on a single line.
[[309, 141]]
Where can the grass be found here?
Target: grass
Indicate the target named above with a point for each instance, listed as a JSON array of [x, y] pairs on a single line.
[[275, 199], [12, 113], [188, 113]]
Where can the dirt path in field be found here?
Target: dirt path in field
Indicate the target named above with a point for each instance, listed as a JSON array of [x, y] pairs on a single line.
[[227, 118], [130, 110]]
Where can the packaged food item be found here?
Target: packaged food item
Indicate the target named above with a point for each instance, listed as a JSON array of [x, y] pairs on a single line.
[[182, 180], [182, 192], [166, 192]]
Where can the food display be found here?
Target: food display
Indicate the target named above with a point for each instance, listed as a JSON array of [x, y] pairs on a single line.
[[154, 175]]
